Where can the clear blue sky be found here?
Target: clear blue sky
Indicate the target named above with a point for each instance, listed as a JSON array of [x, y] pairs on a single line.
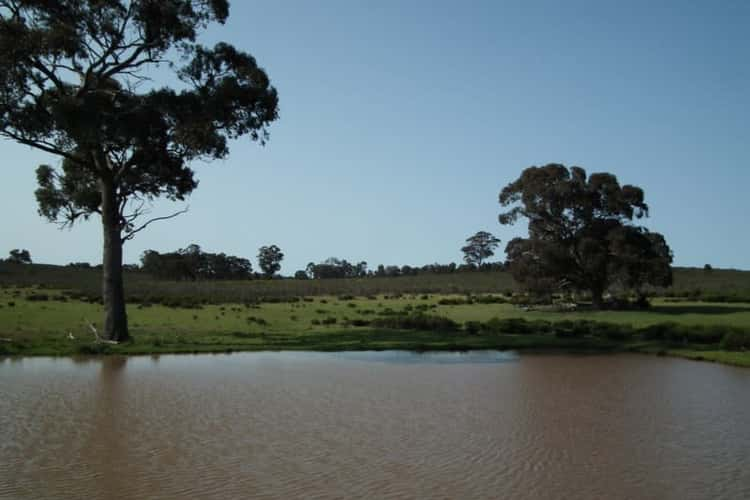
[[401, 121]]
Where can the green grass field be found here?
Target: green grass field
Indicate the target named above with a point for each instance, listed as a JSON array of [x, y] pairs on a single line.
[[697, 284], [31, 325]]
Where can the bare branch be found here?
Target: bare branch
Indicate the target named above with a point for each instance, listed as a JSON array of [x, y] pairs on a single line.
[[131, 234]]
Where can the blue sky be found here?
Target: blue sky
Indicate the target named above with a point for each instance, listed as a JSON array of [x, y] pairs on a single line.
[[401, 121]]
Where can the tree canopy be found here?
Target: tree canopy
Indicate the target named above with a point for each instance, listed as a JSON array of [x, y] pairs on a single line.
[[581, 233], [18, 256], [334, 267], [192, 263], [269, 259], [479, 247], [76, 81]]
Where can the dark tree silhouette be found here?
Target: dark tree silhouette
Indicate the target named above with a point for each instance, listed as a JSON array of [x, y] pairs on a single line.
[[581, 235], [479, 247], [17, 256], [334, 267], [269, 259], [192, 263], [76, 82]]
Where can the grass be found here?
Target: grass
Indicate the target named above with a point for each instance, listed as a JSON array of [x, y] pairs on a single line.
[[718, 285], [36, 321]]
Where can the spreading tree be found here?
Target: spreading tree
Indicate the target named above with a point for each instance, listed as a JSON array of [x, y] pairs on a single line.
[[581, 233], [479, 247], [18, 256], [77, 81]]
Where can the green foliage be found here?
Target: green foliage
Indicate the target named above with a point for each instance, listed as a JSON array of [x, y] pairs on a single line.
[[416, 322], [17, 256], [675, 333], [334, 267], [192, 263], [269, 259], [479, 247], [71, 85], [736, 340], [581, 235], [473, 327]]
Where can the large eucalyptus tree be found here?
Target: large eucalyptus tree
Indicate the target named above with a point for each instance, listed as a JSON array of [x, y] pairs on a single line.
[[124, 95], [581, 233]]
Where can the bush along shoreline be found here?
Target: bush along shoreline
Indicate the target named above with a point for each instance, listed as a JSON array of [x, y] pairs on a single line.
[[421, 331]]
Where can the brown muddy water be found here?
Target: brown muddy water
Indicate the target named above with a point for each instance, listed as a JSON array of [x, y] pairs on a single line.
[[374, 425]]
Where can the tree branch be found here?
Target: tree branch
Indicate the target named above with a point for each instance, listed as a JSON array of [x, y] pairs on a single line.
[[131, 234], [44, 146]]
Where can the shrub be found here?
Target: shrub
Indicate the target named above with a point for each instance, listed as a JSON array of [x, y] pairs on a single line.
[[571, 329], [359, 322], [700, 334], [659, 331], [37, 297], [243, 335], [329, 321], [489, 299], [454, 301], [514, 326], [416, 322], [736, 340], [611, 331], [473, 327]]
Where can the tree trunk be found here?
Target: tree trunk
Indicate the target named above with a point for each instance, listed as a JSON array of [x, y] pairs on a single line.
[[113, 292]]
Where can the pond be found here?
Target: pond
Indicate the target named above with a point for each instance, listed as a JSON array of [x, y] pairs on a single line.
[[374, 424]]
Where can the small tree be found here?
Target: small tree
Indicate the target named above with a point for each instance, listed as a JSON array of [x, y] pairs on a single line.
[[479, 247], [269, 260], [19, 256], [76, 81]]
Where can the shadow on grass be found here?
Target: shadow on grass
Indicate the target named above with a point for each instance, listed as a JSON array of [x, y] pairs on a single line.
[[699, 309]]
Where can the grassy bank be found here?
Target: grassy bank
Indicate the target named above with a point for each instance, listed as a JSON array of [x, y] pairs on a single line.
[[36, 321]]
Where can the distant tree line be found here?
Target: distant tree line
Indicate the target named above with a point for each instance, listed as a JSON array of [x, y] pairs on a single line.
[[334, 267], [192, 263]]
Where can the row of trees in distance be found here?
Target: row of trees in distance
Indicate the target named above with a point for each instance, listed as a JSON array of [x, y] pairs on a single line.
[[192, 263]]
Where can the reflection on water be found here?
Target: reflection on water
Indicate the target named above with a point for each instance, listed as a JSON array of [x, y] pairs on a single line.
[[379, 424]]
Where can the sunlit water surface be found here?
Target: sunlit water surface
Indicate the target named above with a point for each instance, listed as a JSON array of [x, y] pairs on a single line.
[[380, 425]]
